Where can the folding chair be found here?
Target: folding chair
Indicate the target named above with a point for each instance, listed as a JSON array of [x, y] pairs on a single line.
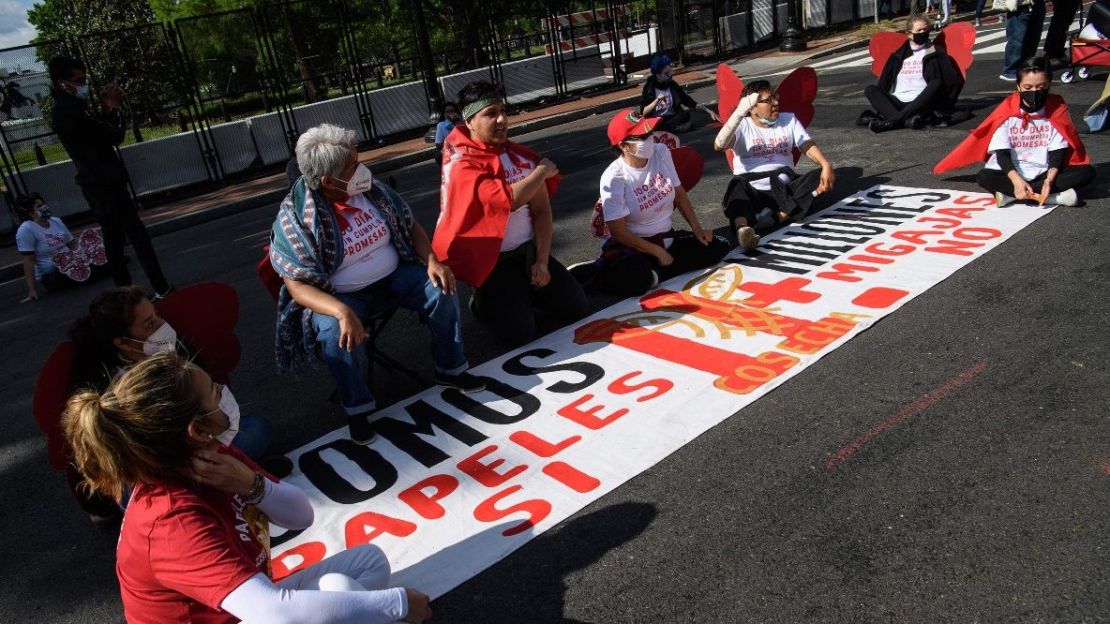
[[374, 326]]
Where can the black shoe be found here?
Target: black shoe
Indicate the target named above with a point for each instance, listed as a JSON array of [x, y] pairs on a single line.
[[882, 125], [866, 117], [278, 465], [158, 296], [464, 382], [917, 122], [362, 430], [1056, 63]]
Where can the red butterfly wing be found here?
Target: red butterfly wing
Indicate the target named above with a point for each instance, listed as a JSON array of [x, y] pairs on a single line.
[[797, 92], [689, 165], [958, 38], [729, 87], [882, 45]]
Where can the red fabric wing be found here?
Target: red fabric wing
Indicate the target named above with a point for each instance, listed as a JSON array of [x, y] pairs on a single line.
[[271, 281], [729, 87], [958, 38], [797, 92], [51, 393], [205, 316], [882, 45], [689, 164]]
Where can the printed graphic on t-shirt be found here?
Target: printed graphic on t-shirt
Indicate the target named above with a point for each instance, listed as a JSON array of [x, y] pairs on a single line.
[[767, 149], [1029, 143], [251, 524], [664, 100], [652, 193], [519, 228], [911, 78], [643, 197], [360, 231]]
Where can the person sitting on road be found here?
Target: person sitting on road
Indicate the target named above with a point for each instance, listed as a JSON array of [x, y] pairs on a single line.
[[639, 193], [1031, 146], [919, 85], [451, 118], [123, 327], [194, 545], [40, 236], [765, 190], [347, 247], [665, 99], [495, 224]]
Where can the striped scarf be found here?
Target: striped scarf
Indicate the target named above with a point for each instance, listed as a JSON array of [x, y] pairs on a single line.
[[306, 246]]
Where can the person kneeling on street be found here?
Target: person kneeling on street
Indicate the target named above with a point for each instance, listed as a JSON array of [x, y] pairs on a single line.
[[1031, 146], [347, 247], [919, 85], [194, 545], [639, 193], [495, 223], [765, 190]]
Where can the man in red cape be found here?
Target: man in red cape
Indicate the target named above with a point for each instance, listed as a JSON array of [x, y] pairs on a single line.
[[975, 148], [495, 224]]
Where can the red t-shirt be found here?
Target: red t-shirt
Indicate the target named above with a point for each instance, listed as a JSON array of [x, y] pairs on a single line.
[[182, 551]]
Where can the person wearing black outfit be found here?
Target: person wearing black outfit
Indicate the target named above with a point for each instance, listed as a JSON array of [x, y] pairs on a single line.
[[919, 85], [664, 98], [1063, 12], [90, 140]]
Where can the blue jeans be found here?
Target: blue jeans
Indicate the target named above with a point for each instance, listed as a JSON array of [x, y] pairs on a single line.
[[1023, 35], [407, 287], [254, 435]]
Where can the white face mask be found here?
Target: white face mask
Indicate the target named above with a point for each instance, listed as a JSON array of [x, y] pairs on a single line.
[[230, 407], [163, 339], [360, 182], [643, 149]]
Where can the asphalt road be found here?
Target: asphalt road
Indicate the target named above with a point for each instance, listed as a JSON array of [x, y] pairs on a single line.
[[988, 505]]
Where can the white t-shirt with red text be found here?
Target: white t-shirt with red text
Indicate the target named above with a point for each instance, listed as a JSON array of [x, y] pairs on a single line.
[[1029, 146], [43, 242], [368, 255], [911, 78], [765, 149], [519, 228], [643, 197]]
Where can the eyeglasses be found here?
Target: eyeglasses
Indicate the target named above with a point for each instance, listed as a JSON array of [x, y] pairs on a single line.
[[774, 99]]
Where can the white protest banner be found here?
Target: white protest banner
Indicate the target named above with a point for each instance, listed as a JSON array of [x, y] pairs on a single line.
[[456, 482]]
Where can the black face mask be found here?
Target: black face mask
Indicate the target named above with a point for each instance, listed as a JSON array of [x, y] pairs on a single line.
[[1033, 101], [920, 38]]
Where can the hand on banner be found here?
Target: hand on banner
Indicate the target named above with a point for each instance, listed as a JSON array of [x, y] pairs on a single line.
[[222, 471], [419, 609], [441, 275], [351, 331]]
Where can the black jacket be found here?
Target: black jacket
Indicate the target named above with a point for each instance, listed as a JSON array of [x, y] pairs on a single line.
[[90, 140], [936, 65], [679, 97]]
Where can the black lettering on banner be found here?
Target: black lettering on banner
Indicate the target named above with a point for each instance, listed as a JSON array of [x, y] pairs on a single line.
[[406, 436], [776, 262], [932, 196], [527, 403], [851, 229], [810, 241], [326, 479], [278, 540], [880, 218], [591, 373], [789, 247]]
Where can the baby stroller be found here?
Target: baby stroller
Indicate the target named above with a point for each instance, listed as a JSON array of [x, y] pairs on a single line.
[[1090, 47]]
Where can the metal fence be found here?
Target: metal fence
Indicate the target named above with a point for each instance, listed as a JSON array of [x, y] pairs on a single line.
[[220, 96]]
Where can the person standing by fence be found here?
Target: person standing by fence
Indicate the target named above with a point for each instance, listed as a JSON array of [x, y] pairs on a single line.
[[90, 141]]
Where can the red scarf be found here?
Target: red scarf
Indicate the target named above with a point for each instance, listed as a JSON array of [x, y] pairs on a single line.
[[475, 201], [973, 149]]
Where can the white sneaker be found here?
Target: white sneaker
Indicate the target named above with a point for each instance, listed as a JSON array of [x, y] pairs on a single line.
[[1065, 198], [1003, 200], [747, 237], [654, 280]]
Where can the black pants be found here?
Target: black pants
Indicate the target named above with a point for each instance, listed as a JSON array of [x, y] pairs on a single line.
[[893, 109], [119, 220], [795, 197], [678, 122], [1063, 12], [508, 302], [1073, 177], [629, 274]]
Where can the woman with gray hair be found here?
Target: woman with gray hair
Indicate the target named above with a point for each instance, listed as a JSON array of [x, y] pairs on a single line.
[[347, 247]]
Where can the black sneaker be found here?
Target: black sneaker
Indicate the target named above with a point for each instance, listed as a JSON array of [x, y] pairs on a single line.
[[917, 122], [362, 430], [464, 382], [866, 117], [882, 125]]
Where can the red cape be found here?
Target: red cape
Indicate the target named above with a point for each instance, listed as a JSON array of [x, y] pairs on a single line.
[[474, 204], [973, 149]]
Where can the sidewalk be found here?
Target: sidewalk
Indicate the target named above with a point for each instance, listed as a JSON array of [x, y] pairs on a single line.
[[268, 191]]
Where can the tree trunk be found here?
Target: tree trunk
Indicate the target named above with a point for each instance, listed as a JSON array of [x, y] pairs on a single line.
[[304, 65]]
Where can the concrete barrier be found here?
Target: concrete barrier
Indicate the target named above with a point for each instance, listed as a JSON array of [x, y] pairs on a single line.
[[734, 30], [55, 183], [400, 108], [584, 69], [235, 145], [166, 163], [341, 111], [528, 80], [269, 138], [452, 83]]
